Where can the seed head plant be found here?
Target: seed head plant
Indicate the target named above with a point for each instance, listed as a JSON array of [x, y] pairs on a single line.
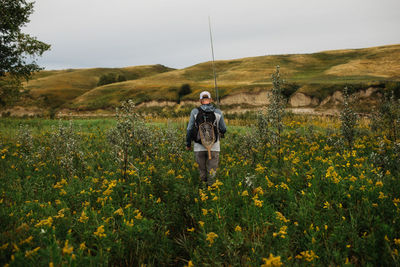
[[65, 148], [172, 140], [122, 136], [348, 120], [130, 136], [270, 124], [25, 140], [249, 144], [262, 134]]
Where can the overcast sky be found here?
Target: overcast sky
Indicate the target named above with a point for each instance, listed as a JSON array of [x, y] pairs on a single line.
[[175, 33]]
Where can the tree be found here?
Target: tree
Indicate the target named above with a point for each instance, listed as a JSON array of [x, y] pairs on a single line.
[[107, 79], [121, 78], [17, 50], [110, 78], [184, 90]]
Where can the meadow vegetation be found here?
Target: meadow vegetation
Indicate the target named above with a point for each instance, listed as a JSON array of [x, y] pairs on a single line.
[[124, 191]]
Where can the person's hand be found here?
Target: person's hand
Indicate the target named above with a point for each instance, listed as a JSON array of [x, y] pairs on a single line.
[[188, 148]]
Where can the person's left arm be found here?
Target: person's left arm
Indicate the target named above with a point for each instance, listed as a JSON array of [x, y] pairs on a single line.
[[221, 124]]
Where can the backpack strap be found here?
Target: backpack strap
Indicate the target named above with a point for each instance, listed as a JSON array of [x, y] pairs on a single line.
[[200, 111]]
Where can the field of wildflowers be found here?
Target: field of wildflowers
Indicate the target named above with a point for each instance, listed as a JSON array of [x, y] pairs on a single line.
[[72, 193]]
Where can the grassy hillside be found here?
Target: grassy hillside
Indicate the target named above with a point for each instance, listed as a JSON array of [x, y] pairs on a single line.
[[317, 74], [55, 88]]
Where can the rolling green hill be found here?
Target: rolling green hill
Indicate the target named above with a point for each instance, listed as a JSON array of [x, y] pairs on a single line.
[[315, 75], [56, 88]]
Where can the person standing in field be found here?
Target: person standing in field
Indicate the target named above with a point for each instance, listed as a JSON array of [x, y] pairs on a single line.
[[205, 113]]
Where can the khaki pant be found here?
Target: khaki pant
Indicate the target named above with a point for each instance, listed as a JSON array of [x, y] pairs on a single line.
[[207, 167]]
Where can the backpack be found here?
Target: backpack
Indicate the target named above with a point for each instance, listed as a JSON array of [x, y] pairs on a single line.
[[204, 116]]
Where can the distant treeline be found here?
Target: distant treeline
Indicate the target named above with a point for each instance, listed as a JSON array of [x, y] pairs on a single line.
[[110, 78]]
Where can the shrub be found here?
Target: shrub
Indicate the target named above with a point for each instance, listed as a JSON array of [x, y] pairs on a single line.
[[386, 118], [348, 120]]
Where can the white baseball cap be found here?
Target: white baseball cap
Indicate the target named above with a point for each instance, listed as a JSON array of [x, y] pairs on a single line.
[[205, 94]]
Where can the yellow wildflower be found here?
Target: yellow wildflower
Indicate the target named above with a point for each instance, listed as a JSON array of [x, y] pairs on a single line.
[[282, 232], [62, 192], [60, 214], [31, 252], [67, 249], [217, 184], [259, 191], [281, 217], [258, 203], [100, 231], [308, 255], [272, 261], [203, 195], [284, 186], [138, 215], [270, 184], [46, 222], [190, 229], [119, 212], [238, 228], [83, 217], [382, 195], [211, 237], [353, 179], [129, 223], [82, 246], [260, 168], [28, 240]]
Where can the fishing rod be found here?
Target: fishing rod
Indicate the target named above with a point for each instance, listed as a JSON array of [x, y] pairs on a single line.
[[213, 62]]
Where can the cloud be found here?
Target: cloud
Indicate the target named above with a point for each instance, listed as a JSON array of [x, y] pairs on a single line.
[[100, 33]]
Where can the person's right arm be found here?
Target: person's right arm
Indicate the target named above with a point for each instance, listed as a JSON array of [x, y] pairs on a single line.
[[189, 129]]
